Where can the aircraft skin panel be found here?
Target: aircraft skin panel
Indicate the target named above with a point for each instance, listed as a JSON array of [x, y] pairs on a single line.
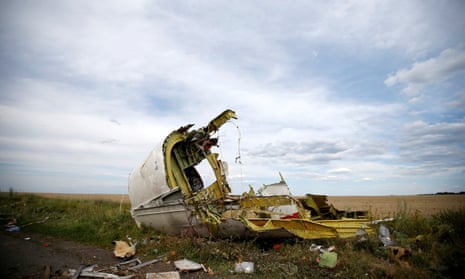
[[149, 179]]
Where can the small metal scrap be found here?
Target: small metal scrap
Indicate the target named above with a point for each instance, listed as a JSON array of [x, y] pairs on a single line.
[[88, 272], [130, 263], [78, 272], [136, 267]]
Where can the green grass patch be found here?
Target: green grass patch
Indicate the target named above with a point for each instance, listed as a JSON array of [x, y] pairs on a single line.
[[88, 221]]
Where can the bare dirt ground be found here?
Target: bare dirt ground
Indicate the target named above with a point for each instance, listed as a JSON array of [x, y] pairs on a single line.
[[27, 255]]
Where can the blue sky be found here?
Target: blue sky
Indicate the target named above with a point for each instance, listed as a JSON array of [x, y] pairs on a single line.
[[341, 97]]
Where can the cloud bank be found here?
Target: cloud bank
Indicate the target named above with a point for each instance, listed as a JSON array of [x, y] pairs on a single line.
[[353, 98]]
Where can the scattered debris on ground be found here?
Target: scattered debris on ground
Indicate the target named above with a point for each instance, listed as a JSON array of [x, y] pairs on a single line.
[[123, 249], [186, 265], [327, 259], [244, 267], [396, 252], [163, 275]]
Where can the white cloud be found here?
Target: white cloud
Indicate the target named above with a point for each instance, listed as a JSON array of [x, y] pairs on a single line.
[[432, 71], [339, 171], [436, 148]]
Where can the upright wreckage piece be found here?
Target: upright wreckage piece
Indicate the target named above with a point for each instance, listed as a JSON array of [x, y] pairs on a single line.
[[168, 193]]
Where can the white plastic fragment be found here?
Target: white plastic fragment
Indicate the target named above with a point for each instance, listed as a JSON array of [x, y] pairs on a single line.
[[187, 265], [315, 247], [361, 232], [374, 222], [244, 267]]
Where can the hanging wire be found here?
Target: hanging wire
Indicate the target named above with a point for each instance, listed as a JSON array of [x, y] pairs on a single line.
[[237, 160], [238, 157]]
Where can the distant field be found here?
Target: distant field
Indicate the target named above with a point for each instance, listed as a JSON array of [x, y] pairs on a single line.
[[104, 197], [379, 206], [388, 206]]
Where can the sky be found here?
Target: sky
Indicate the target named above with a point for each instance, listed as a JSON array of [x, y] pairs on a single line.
[[341, 97]]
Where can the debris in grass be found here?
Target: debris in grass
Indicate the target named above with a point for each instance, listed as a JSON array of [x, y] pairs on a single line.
[[163, 275], [36, 222], [397, 253], [188, 265], [361, 235], [210, 271], [123, 249], [129, 263], [374, 222], [385, 236], [78, 272], [361, 232], [90, 272], [315, 247], [327, 259], [244, 267], [320, 248], [420, 243], [11, 222], [138, 266], [13, 229]]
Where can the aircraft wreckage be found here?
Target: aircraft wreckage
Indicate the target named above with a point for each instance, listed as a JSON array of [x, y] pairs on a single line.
[[168, 193]]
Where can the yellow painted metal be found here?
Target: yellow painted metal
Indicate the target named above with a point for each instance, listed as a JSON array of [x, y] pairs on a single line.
[[221, 119], [308, 229], [260, 203], [218, 189], [220, 186], [300, 228], [347, 227], [175, 166], [174, 174], [266, 201], [319, 204]]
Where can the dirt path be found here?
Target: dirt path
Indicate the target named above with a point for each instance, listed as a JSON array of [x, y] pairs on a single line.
[[25, 255]]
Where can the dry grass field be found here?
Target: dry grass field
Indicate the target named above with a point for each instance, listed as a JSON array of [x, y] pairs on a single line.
[[389, 206], [378, 206], [103, 197]]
